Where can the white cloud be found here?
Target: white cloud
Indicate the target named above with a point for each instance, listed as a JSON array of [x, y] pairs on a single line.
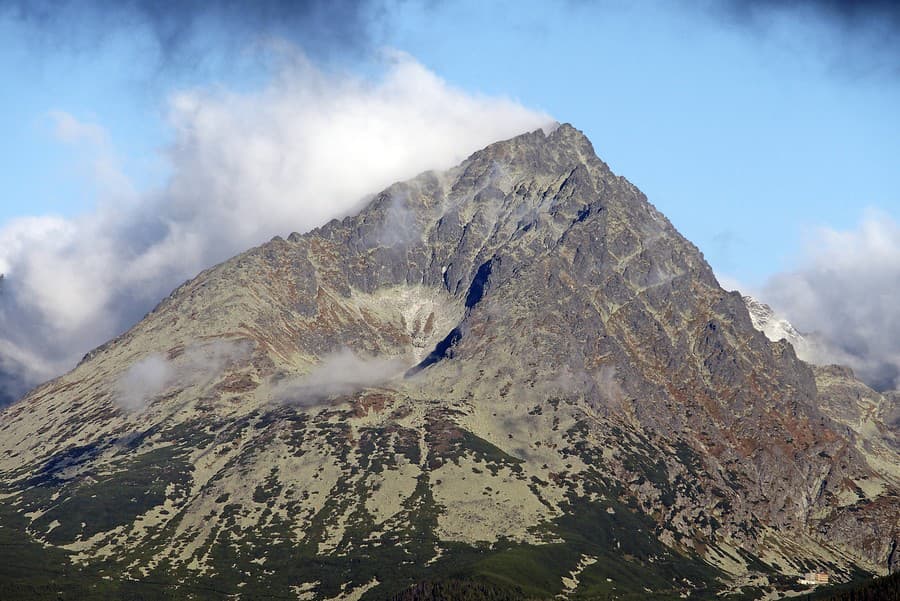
[[845, 297], [244, 166], [18, 235], [311, 145], [338, 374]]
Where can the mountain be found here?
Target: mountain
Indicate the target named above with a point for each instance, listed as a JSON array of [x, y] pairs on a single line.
[[514, 379], [873, 417], [774, 326]]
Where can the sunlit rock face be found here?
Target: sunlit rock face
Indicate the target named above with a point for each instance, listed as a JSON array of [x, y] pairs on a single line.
[[513, 378]]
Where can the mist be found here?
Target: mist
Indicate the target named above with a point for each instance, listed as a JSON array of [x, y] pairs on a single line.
[[338, 374], [156, 374]]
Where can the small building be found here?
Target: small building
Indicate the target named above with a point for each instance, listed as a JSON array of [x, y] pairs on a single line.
[[814, 578]]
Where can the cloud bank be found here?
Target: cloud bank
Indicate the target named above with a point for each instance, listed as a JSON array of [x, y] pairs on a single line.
[[844, 298], [245, 166]]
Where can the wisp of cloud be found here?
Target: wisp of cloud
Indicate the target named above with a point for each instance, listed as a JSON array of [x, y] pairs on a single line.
[[154, 375], [143, 381], [338, 374]]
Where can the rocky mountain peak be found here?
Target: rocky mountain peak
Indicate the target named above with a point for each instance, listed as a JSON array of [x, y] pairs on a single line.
[[774, 326], [515, 362]]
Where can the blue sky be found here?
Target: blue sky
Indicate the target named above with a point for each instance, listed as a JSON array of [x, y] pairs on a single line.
[[763, 133], [745, 137]]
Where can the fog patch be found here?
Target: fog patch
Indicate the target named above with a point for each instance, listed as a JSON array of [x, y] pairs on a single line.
[[143, 381], [608, 385], [156, 375], [599, 388], [566, 383], [338, 374]]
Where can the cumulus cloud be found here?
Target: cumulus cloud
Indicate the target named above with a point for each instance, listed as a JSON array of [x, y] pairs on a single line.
[[844, 299], [303, 149], [156, 374], [339, 374]]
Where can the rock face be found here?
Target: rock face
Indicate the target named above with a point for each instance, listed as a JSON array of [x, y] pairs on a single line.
[[514, 377]]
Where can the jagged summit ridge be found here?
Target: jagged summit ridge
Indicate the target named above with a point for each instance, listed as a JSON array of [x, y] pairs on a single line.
[[512, 363], [771, 324]]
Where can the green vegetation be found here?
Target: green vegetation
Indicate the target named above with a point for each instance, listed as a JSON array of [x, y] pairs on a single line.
[[99, 503], [28, 570], [404, 554], [629, 558]]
